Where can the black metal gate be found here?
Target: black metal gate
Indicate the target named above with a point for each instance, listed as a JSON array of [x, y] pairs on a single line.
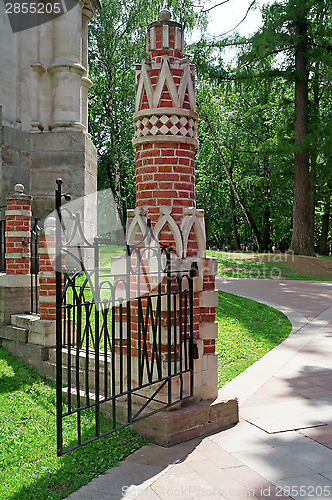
[[34, 266], [124, 344]]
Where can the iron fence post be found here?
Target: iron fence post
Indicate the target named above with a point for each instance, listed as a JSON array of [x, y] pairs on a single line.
[[58, 280]]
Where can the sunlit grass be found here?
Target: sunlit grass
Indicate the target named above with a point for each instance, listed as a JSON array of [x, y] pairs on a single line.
[[247, 331], [29, 467]]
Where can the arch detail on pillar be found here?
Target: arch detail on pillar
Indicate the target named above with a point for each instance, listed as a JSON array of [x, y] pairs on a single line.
[[138, 222], [190, 220], [167, 219]]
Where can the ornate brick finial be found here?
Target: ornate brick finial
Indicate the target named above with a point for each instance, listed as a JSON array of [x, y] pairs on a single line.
[[164, 37], [19, 189], [165, 15]]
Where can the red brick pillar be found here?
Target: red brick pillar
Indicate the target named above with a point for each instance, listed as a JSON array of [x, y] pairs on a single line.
[[165, 123], [165, 140], [47, 271], [18, 221]]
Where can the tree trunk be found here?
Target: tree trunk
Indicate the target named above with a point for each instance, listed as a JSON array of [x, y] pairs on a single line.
[[266, 212], [234, 224], [236, 238], [314, 104], [312, 200], [301, 243], [323, 249]]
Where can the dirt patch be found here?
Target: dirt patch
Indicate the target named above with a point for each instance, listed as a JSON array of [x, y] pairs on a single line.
[[315, 267]]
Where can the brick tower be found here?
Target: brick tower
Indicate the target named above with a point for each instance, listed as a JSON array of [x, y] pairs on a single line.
[[165, 141]]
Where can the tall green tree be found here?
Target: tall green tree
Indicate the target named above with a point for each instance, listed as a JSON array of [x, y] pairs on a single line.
[[297, 30], [293, 41]]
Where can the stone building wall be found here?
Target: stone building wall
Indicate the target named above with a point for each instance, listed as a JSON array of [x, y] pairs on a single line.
[[43, 107]]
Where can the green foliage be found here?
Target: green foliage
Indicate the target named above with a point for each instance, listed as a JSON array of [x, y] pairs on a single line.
[[29, 467], [117, 43], [247, 331], [250, 104]]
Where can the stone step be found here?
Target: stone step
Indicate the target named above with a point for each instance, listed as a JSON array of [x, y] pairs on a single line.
[[40, 332], [31, 354], [14, 333], [82, 358], [24, 320], [49, 370]]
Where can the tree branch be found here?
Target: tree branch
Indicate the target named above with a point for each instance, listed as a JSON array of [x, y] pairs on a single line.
[[244, 209], [214, 6], [229, 31]]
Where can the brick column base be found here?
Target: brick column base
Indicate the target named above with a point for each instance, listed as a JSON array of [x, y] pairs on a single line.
[[47, 272], [18, 221]]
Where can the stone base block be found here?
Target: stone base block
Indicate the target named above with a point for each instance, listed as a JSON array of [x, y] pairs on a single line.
[[14, 333], [193, 419], [14, 296], [40, 332], [34, 355]]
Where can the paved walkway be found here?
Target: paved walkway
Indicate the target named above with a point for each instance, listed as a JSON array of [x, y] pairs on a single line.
[[282, 447]]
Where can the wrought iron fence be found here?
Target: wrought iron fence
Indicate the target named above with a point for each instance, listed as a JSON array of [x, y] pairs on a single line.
[[125, 344], [34, 265]]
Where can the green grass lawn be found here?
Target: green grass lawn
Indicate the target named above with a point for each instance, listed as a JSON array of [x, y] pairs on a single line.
[[247, 331], [272, 266], [29, 467]]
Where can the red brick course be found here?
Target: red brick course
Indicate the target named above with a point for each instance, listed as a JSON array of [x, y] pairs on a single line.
[[18, 246]]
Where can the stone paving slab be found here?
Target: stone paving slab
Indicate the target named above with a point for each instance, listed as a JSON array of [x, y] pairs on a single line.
[[308, 298], [288, 388]]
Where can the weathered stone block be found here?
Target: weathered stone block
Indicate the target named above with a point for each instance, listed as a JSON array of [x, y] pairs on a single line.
[[31, 354], [40, 332], [15, 299], [208, 330], [210, 266], [14, 333], [208, 298], [17, 139]]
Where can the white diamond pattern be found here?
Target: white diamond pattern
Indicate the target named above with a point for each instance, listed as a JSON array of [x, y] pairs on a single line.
[[188, 126], [164, 119], [164, 129], [154, 119]]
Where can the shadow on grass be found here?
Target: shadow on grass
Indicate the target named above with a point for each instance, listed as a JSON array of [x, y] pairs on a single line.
[[28, 440], [78, 467]]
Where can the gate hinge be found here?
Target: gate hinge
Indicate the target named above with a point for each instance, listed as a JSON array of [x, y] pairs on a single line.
[[195, 351]]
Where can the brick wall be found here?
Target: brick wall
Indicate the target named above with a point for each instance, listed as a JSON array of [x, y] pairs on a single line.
[[18, 221]]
